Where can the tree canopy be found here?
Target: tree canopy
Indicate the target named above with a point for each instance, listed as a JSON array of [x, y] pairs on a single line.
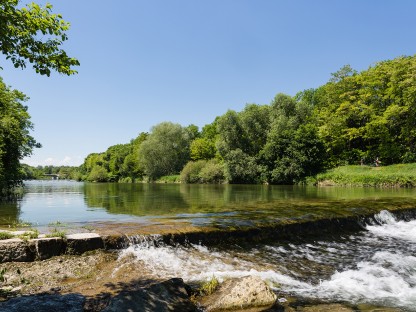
[[34, 34], [15, 140]]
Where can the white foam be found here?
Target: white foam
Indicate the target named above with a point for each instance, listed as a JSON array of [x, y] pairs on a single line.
[[391, 228], [386, 279], [386, 276]]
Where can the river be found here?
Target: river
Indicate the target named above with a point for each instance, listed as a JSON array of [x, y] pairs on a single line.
[[376, 265]]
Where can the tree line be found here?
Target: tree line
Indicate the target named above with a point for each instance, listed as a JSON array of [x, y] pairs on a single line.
[[355, 118]]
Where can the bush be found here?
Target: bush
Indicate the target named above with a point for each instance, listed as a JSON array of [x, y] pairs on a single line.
[[190, 173], [241, 168], [212, 172]]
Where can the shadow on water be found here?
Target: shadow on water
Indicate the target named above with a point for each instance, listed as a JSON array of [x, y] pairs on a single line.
[[9, 212]]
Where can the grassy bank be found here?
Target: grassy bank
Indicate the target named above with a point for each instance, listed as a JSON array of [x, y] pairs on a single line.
[[401, 175]]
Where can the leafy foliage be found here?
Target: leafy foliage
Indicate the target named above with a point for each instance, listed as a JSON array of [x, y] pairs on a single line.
[[165, 151], [33, 33], [119, 163], [370, 114], [15, 141]]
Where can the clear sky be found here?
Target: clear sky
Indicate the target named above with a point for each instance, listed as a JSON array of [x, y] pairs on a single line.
[[188, 61]]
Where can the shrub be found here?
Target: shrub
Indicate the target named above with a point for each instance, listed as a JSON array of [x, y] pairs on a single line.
[[212, 172], [190, 173]]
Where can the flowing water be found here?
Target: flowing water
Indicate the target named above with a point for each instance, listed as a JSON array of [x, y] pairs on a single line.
[[376, 266]]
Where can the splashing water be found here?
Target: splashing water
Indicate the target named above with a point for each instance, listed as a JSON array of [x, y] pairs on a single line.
[[376, 266]]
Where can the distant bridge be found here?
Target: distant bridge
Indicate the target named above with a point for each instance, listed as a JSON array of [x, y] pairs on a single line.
[[53, 176]]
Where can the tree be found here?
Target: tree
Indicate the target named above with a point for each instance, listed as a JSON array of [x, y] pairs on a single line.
[[362, 116], [30, 34], [293, 149], [15, 141], [166, 150], [202, 148], [34, 34]]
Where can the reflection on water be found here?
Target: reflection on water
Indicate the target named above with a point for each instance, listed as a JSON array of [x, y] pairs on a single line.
[[223, 205]]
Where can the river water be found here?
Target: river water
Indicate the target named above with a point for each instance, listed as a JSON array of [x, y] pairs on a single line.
[[376, 265]]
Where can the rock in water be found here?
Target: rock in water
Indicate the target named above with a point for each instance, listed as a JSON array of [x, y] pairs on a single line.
[[171, 295], [242, 293], [44, 303]]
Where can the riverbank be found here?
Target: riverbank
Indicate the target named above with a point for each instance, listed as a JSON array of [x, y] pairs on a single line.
[[401, 175]]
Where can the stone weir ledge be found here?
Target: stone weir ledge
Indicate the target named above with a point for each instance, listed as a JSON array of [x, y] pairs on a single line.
[[119, 236]]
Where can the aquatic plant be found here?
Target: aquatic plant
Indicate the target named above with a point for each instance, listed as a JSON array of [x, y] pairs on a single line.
[[208, 287]]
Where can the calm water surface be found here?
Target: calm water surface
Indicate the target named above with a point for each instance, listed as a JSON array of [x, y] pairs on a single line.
[[46, 202]]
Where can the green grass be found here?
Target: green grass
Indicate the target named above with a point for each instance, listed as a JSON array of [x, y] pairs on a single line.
[[6, 235], [56, 233], [31, 234], [401, 175], [208, 287]]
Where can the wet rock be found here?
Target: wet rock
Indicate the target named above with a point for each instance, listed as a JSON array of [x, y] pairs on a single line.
[[115, 241], [83, 242], [326, 308], [45, 248], [171, 295], [15, 249], [372, 308], [245, 292], [44, 303]]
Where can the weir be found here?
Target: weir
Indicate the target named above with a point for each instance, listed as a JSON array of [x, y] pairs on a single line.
[[372, 267], [17, 249]]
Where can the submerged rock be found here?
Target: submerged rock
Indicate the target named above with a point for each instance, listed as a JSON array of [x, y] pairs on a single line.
[[171, 295], [242, 293], [326, 308], [83, 242], [44, 303]]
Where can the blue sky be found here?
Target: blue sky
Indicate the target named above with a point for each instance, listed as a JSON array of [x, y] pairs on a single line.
[[188, 61]]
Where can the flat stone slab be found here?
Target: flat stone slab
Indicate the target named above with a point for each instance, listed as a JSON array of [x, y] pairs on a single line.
[[47, 247], [83, 242], [15, 249]]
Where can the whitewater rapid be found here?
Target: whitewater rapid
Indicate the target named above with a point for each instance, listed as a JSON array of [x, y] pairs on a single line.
[[376, 266]]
